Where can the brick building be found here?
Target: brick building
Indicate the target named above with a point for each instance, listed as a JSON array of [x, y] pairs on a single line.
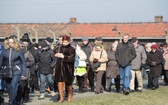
[[145, 31]]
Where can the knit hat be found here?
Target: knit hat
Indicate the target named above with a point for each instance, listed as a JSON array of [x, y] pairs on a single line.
[[154, 46], [99, 38], [43, 43], [134, 39], [25, 38], [49, 39], [85, 38]]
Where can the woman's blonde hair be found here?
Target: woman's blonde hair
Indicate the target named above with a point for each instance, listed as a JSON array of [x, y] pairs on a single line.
[[16, 43]]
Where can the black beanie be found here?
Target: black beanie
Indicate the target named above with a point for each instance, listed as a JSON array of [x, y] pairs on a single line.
[[43, 43], [25, 38]]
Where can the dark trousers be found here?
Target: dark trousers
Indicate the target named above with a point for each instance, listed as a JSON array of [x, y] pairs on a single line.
[[104, 80], [155, 82], [1, 97], [166, 77], [135, 83], [80, 80], [34, 84], [90, 76], [116, 81], [23, 91], [149, 80]]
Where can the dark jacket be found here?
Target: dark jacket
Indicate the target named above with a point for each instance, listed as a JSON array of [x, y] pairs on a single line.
[[29, 61], [112, 66], [87, 49], [44, 58], [125, 53], [155, 70], [18, 61], [64, 70], [30, 47]]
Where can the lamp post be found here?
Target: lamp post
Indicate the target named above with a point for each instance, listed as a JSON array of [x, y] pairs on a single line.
[[119, 32], [52, 33], [35, 31], [17, 30], [166, 35]]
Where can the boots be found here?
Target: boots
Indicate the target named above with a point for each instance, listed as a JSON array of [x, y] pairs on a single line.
[[61, 91], [69, 93]]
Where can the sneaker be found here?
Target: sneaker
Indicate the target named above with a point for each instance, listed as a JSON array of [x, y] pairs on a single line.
[[41, 96], [53, 93]]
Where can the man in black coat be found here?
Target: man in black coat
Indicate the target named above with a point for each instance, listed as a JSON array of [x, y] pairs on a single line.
[[125, 53]]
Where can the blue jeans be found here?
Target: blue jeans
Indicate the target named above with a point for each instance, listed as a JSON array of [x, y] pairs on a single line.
[[48, 79], [125, 76], [12, 86]]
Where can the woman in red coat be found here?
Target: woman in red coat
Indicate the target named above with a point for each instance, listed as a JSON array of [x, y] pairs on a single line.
[[64, 69], [155, 59]]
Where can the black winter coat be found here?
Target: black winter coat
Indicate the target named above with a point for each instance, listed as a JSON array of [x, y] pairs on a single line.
[[125, 53], [44, 64], [155, 71], [64, 69]]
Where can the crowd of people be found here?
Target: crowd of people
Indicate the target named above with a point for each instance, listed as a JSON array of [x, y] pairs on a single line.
[[93, 66]]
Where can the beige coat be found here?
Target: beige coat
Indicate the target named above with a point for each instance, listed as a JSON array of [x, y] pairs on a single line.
[[165, 57], [96, 54]]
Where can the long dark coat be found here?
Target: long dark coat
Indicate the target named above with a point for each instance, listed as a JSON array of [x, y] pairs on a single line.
[[64, 69], [112, 65], [155, 71]]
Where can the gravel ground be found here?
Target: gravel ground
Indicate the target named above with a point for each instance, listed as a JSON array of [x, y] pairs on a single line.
[[49, 99]]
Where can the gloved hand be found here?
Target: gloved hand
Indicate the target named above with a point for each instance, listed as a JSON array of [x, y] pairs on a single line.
[[95, 60], [153, 63]]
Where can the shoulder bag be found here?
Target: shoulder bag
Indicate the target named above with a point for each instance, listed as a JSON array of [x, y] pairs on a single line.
[[97, 64], [54, 61], [7, 71]]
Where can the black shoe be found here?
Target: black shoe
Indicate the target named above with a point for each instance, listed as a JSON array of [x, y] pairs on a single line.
[[138, 90], [97, 93], [25, 100], [132, 90], [92, 89], [153, 88], [108, 90], [58, 98], [16, 103], [126, 92], [1, 101], [118, 91]]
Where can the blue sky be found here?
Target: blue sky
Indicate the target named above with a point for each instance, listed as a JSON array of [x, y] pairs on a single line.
[[86, 11]]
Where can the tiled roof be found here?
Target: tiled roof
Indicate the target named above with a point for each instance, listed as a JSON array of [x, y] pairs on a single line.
[[143, 29]]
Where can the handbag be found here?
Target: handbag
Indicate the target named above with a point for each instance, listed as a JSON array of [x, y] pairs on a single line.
[[97, 64], [7, 71], [54, 61]]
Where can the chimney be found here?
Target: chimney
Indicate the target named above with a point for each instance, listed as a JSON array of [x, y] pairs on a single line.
[[158, 18], [72, 20]]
